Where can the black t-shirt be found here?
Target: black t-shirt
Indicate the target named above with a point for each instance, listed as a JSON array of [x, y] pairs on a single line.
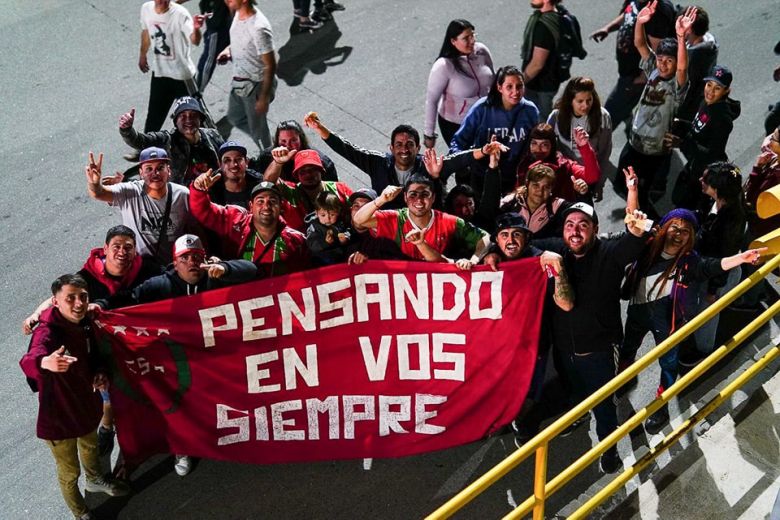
[[661, 25], [544, 39], [200, 161]]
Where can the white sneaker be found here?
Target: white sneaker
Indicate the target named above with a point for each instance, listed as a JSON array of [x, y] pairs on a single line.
[[86, 516], [101, 485], [183, 465]]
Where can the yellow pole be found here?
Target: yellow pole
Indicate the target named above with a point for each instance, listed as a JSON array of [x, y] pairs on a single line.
[[673, 437], [590, 456], [540, 480]]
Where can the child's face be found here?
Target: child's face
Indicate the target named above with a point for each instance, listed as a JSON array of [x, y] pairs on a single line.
[[327, 217], [666, 65]]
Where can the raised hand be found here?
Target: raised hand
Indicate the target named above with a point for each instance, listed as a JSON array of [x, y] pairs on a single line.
[[647, 12], [58, 361], [388, 194], [126, 119], [206, 180], [197, 21], [631, 178], [433, 162], [580, 136], [94, 169], [580, 186], [685, 21], [282, 154], [114, 179], [312, 120], [214, 270]]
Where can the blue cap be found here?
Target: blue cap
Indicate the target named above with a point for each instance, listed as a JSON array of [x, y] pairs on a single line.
[[362, 193], [683, 214], [232, 145], [153, 154]]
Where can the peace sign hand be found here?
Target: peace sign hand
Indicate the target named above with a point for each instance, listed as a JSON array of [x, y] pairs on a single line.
[[94, 169]]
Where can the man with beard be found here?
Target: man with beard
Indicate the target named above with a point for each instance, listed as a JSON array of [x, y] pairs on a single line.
[[192, 149], [421, 232], [587, 337], [257, 234]]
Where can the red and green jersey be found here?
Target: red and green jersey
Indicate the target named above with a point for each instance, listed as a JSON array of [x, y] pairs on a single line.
[[296, 203], [286, 254], [445, 233]]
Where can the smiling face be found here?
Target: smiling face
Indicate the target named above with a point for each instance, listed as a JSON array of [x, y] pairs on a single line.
[[187, 266], [233, 165], [511, 90], [155, 174], [579, 233], [464, 42], [419, 199], [72, 302], [666, 65], [714, 92], [463, 206], [511, 241], [265, 208], [678, 235], [188, 123], [582, 103], [404, 150], [539, 192], [120, 253]]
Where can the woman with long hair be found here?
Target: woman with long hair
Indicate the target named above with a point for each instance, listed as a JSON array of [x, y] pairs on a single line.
[[580, 107], [505, 113], [462, 73], [657, 287]]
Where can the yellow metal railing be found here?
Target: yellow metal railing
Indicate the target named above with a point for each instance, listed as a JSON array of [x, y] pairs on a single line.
[[541, 442]]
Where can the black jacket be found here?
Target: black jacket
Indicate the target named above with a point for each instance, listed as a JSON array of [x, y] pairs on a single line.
[[594, 324]]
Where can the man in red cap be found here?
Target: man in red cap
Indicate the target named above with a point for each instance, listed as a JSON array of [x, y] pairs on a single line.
[[257, 234], [298, 199]]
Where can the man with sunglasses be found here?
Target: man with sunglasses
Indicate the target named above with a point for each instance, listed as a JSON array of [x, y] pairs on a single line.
[[418, 228]]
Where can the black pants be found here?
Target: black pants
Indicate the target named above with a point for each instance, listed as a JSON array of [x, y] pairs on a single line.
[[448, 129], [647, 167], [214, 42], [162, 93]]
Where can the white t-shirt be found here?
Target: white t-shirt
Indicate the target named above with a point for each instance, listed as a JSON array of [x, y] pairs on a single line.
[[169, 53], [144, 215], [250, 39]]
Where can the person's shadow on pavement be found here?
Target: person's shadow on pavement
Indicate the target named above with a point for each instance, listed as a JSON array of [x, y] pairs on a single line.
[[310, 51]]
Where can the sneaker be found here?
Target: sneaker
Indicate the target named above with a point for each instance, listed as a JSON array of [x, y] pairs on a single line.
[[132, 156], [573, 426], [183, 465], [656, 422], [105, 441], [610, 461], [522, 432], [100, 485], [321, 15], [309, 24], [334, 6]]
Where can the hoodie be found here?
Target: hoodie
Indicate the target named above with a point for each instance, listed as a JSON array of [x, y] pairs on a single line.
[[710, 130], [101, 284]]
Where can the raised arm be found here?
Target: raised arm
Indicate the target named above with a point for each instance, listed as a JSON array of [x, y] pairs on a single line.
[[640, 39], [280, 155], [95, 187], [632, 185], [682, 28], [365, 216], [563, 296], [751, 256]]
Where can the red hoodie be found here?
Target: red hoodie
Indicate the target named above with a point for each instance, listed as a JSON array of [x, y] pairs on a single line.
[[564, 169], [96, 266]]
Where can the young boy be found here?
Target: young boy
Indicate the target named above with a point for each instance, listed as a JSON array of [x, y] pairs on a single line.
[[326, 235], [60, 365], [667, 84]]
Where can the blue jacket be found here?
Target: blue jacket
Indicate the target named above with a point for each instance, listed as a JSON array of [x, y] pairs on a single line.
[[510, 127]]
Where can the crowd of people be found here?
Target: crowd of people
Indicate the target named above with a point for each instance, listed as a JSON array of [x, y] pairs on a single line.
[[523, 177]]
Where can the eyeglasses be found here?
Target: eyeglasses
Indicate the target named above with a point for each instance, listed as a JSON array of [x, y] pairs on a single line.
[[414, 195]]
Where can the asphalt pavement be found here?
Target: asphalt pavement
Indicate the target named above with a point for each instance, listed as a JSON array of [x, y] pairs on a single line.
[[69, 70]]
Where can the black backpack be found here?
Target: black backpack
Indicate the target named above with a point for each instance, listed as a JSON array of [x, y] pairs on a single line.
[[569, 44]]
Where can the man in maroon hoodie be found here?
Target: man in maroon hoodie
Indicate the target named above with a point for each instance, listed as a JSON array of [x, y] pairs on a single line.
[[61, 366], [114, 268]]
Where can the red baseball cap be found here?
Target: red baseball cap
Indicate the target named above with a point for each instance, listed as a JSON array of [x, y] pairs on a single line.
[[307, 158]]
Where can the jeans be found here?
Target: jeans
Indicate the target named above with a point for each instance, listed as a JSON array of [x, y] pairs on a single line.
[[242, 115], [542, 100], [650, 317], [67, 453], [622, 100], [162, 93], [705, 336], [587, 373]]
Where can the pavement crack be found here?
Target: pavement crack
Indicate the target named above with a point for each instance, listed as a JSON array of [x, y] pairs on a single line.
[[345, 111], [123, 26]]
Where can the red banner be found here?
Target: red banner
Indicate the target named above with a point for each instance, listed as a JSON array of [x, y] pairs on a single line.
[[380, 360]]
